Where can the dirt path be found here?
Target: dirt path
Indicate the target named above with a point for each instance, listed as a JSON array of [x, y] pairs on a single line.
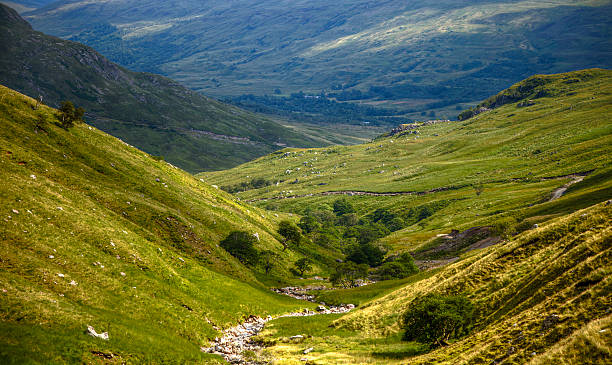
[[237, 339], [559, 192]]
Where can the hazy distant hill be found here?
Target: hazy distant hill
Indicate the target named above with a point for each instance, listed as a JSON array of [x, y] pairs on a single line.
[[149, 111], [425, 51]]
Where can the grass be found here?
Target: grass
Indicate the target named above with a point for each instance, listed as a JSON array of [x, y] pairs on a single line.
[[510, 151], [562, 268], [95, 232]]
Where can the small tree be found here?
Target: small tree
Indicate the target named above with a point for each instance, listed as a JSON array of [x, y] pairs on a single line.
[[436, 318], [348, 273], [241, 245], [68, 115], [290, 232], [302, 265], [268, 260]]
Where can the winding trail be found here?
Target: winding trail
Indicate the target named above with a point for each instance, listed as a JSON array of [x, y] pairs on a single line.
[[237, 339], [559, 192]]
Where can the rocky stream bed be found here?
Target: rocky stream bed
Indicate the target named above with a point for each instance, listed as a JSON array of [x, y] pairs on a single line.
[[238, 339]]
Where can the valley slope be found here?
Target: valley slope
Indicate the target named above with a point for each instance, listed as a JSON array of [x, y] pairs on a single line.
[[94, 232], [151, 112]]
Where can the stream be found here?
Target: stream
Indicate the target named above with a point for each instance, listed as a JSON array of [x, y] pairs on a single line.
[[237, 339]]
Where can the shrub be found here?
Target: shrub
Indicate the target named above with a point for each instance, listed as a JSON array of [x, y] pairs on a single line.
[[241, 245], [400, 268], [68, 115], [436, 318], [347, 273], [302, 265], [343, 206], [366, 253]]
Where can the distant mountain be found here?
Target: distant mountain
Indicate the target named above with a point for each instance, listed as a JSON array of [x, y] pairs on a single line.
[[428, 54], [151, 112]]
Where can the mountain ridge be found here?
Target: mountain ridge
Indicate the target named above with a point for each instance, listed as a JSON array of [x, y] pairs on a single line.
[[149, 111]]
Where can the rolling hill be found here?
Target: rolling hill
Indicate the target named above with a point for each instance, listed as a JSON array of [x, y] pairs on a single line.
[[413, 56], [500, 167], [151, 112], [94, 232]]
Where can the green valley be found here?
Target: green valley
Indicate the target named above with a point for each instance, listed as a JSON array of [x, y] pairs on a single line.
[[151, 112], [413, 56]]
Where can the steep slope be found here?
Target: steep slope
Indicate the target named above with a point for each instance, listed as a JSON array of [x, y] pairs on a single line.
[[422, 52], [95, 232], [541, 298], [151, 112]]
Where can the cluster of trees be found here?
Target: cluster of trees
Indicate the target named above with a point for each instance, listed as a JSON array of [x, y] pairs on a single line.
[[255, 183], [241, 245], [317, 109]]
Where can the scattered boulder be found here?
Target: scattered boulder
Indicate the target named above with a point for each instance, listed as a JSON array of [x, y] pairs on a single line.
[[308, 350], [92, 332]]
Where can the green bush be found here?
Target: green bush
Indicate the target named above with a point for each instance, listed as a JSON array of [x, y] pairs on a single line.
[[241, 245], [347, 273], [436, 318], [400, 268], [343, 206], [290, 232]]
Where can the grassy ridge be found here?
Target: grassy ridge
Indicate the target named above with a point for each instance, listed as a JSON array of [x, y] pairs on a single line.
[[96, 232], [498, 168], [541, 297]]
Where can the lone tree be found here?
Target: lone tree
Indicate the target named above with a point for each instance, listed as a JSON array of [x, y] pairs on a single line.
[[268, 260], [241, 245], [290, 232], [68, 115], [436, 318], [302, 265]]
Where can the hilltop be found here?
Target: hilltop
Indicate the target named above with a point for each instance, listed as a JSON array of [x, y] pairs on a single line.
[[154, 113], [96, 233], [414, 56]]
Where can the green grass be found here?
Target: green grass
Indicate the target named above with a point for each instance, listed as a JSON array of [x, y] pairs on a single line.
[[363, 294], [562, 268], [510, 151], [85, 205]]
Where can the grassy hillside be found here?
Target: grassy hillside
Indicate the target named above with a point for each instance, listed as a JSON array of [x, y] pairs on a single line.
[[95, 232], [151, 112], [499, 168], [415, 55], [543, 297]]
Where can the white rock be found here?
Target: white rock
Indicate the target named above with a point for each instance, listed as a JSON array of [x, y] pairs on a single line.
[[51, 256], [308, 350], [74, 283], [181, 259], [33, 177], [60, 275], [122, 273], [92, 332]]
